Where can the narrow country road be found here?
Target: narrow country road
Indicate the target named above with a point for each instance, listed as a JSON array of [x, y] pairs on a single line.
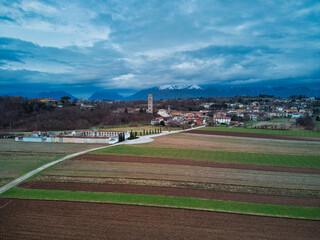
[[142, 139]]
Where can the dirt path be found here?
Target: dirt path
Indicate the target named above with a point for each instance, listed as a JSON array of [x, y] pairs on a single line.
[[170, 191], [255, 135], [33, 219], [175, 161]]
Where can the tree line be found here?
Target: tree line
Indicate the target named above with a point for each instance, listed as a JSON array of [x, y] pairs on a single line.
[[27, 115]]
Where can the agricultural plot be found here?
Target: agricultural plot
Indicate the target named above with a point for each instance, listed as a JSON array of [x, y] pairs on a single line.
[[13, 164], [187, 179], [217, 156], [9, 145], [302, 133], [83, 220], [232, 144]]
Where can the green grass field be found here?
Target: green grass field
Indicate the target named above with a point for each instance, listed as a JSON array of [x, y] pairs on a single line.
[[218, 156], [169, 201], [303, 133], [13, 165]]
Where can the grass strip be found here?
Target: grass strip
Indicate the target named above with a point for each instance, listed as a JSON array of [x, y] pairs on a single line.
[[312, 213], [302, 133], [216, 156]]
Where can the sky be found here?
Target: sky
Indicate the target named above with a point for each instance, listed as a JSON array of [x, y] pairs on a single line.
[[126, 46]]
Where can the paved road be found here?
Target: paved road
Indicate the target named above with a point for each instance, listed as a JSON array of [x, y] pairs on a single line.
[[143, 139], [149, 138]]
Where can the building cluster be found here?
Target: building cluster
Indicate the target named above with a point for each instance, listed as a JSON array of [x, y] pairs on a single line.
[[236, 113], [174, 118], [81, 136]]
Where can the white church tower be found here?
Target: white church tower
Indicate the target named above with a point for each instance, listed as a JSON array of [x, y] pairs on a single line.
[[150, 103]]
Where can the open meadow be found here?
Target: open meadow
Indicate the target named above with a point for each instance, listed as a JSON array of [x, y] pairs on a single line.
[[179, 174]]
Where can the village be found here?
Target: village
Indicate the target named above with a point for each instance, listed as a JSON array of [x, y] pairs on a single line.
[[238, 114], [254, 112]]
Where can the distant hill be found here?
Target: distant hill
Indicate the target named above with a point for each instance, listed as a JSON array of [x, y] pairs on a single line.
[[56, 95], [106, 95]]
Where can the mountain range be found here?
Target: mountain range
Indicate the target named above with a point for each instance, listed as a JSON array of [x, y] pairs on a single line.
[[106, 95], [185, 91], [194, 91]]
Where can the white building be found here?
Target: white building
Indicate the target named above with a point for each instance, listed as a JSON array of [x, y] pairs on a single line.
[[220, 120], [163, 113]]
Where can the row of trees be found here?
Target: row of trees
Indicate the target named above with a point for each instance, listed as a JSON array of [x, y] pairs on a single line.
[[148, 132]]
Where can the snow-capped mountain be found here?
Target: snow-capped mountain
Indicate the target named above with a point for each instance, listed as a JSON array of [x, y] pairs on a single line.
[[180, 87], [194, 91]]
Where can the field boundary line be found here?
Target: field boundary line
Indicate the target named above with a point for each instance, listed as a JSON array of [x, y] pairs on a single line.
[[24, 177]]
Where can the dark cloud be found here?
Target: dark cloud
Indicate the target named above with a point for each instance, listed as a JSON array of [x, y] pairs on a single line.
[[83, 46]]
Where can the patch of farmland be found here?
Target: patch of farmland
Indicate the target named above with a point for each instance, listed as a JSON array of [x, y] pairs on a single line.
[[312, 213], [233, 144], [15, 164], [172, 191], [187, 162], [222, 187], [9, 145], [186, 173], [216, 156], [302, 133], [79, 220], [256, 135]]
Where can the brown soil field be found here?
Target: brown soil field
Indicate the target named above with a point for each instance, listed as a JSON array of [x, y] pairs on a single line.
[[169, 191], [186, 173], [220, 187], [35, 219], [234, 144], [175, 161], [255, 135]]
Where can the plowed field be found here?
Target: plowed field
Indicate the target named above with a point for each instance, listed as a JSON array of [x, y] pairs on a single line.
[[34, 219], [199, 163], [170, 191], [255, 135]]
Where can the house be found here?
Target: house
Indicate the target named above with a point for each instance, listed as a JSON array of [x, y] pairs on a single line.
[[253, 117], [292, 110], [163, 113], [222, 120], [207, 105], [157, 121], [200, 122], [177, 113]]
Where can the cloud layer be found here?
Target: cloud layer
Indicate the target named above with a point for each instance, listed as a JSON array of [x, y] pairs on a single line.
[[84, 46]]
